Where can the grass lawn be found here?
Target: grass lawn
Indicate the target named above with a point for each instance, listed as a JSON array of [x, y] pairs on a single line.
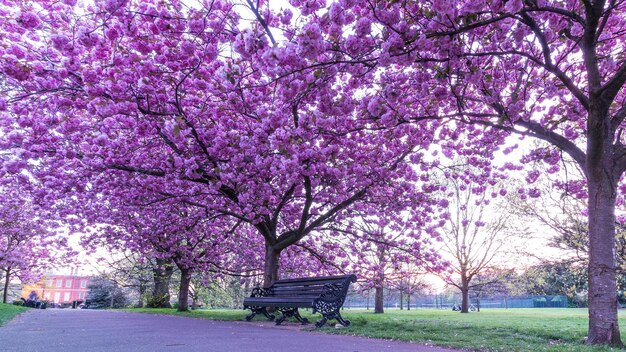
[[531, 329], [490, 330], [8, 311], [211, 314]]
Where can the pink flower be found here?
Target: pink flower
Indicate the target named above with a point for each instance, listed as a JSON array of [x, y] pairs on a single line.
[[188, 48], [29, 20], [532, 176], [16, 70], [14, 166], [363, 27], [513, 5], [112, 34], [534, 193], [196, 26], [113, 5], [60, 42], [286, 16]]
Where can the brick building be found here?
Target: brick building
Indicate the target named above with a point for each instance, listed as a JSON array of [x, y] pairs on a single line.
[[60, 288]]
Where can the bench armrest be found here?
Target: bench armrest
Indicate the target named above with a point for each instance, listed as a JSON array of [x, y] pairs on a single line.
[[333, 296]]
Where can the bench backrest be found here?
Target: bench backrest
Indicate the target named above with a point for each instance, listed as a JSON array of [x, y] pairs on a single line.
[[312, 287]]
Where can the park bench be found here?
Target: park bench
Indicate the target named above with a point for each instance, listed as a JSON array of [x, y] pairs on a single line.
[[324, 295]]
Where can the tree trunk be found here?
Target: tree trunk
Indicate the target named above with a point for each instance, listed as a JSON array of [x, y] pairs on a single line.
[[379, 300], [401, 301], [603, 322], [271, 265], [7, 280], [162, 273], [464, 294], [367, 302], [142, 294], [408, 301], [183, 290]]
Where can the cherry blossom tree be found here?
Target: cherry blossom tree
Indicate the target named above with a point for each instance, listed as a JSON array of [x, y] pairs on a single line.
[[149, 94], [172, 231], [29, 243], [551, 70]]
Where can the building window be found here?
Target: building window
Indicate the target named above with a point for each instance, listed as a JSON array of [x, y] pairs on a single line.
[[59, 283], [68, 283], [49, 283], [83, 283], [81, 295], [66, 296], [57, 297]]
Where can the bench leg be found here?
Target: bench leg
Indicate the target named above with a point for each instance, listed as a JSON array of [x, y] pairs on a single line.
[[332, 315], [300, 318], [341, 320], [290, 312], [259, 310]]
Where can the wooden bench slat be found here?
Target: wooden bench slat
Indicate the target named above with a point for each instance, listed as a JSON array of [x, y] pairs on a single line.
[[298, 289], [306, 303], [305, 284], [305, 281], [310, 279], [298, 294], [286, 299], [281, 304]]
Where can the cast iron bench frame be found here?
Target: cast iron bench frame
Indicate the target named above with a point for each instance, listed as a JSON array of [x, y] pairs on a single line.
[[324, 295]]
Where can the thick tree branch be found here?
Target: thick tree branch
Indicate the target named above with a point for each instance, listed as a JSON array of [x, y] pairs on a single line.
[[155, 172], [611, 88], [283, 201], [290, 237], [262, 22]]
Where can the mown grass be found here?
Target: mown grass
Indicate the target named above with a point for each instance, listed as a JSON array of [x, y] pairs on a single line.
[[490, 330], [211, 314], [8, 311], [530, 329]]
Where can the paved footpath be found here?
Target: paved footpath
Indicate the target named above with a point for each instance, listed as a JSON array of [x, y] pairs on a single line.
[[67, 330]]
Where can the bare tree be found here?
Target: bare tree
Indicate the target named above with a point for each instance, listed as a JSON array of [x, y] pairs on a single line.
[[130, 271], [379, 256], [380, 249], [563, 213], [410, 282], [475, 233]]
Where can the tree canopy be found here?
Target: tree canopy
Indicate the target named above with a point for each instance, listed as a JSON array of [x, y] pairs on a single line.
[[289, 122]]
